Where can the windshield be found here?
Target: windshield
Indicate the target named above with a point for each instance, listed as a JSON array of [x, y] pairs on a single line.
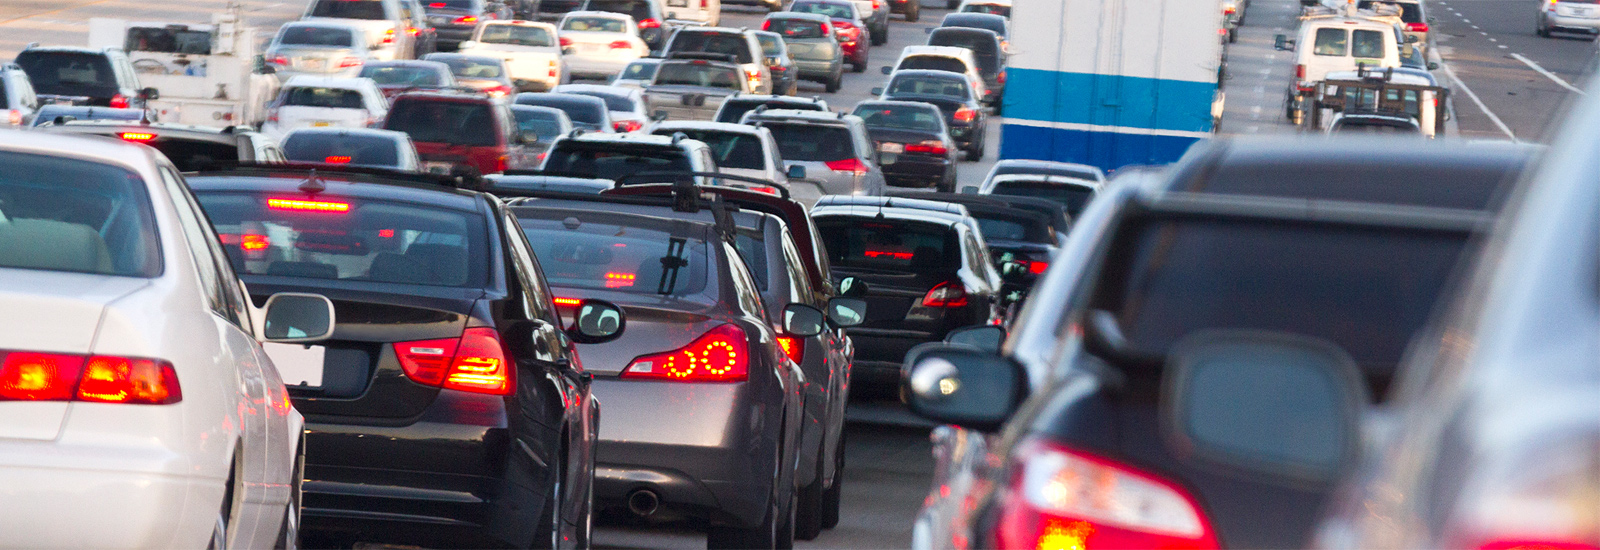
[[392, 75], [349, 238], [315, 36], [614, 102], [168, 40], [699, 73], [480, 68], [592, 23], [924, 249], [640, 10], [713, 42], [734, 109], [992, 9], [517, 35], [981, 43], [730, 149], [68, 73], [639, 71], [834, 10], [349, 9], [193, 155], [632, 254], [1072, 197], [453, 122], [1409, 12], [901, 117], [546, 125], [61, 214], [796, 29], [806, 143], [1008, 226], [611, 161], [925, 85], [355, 150], [334, 98]]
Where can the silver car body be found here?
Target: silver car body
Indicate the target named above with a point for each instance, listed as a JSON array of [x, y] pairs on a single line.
[[1568, 16], [697, 100], [291, 60], [635, 115], [820, 179]]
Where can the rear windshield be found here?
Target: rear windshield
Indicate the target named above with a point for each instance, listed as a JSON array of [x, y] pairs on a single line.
[[801, 142], [1001, 226], [1360, 126], [1072, 197], [517, 35], [922, 85], [453, 4], [315, 36], [835, 10], [546, 125], [640, 10], [358, 150], [453, 122], [979, 42], [193, 155], [556, 7], [60, 214], [168, 40], [902, 117], [1412, 13], [633, 254], [614, 102], [733, 109], [403, 76], [610, 161], [698, 74], [769, 44], [592, 23], [713, 42], [889, 245], [730, 149], [796, 29], [1367, 290], [349, 9], [639, 71], [334, 98], [934, 63], [581, 112], [992, 9], [470, 67], [69, 73], [349, 238]]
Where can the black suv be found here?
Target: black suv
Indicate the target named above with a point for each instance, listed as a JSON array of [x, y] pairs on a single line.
[[190, 148], [83, 76], [1135, 346], [449, 407]]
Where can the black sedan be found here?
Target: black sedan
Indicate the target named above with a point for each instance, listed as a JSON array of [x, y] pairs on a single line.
[[952, 94], [914, 146]]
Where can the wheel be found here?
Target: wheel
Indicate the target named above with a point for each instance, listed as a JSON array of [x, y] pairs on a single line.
[[548, 533], [858, 67], [832, 85], [227, 512], [776, 530], [832, 497], [1233, 35], [808, 518], [880, 36], [1541, 31], [913, 11], [289, 533]]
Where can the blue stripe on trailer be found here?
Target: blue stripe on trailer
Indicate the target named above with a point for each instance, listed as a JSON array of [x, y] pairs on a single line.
[[1107, 149], [1108, 100]]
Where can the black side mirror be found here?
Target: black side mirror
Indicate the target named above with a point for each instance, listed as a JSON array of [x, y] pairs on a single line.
[[802, 320], [1433, 66], [877, 91], [852, 287], [956, 384], [1015, 272], [597, 321], [149, 94], [659, 115], [291, 317], [985, 337], [847, 312], [887, 69], [969, 190], [1283, 43], [795, 172], [1269, 404]]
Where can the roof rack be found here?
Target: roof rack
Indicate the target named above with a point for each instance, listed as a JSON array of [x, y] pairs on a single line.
[[677, 177], [315, 171]]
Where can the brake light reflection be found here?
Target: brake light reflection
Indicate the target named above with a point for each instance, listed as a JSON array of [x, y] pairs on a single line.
[[887, 254], [619, 280]]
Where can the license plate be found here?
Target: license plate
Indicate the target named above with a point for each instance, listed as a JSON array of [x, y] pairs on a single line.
[[311, 63], [678, 3], [300, 366], [892, 147], [437, 167], [321, 123], [887, 158], [591, 48]]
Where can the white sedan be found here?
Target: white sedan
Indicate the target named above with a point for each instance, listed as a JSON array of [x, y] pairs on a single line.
[[529, 49], [598, 44], [137, 409]]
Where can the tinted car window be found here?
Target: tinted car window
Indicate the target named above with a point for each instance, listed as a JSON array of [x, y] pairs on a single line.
[[1410, 13], [752, 246], [619, 253], [1360, 126], [454, 4], [889, 245], [517, 35], [547, 126], [168, 40], [402, 76], [934, 63], [1072, 197], [769, 44], [455, 122], [581, 111], [698, 74], [901, 117], [639, 10], [336, 98], [833, 10], [1366, 43], [70, 215], [349, 9], [349, 238], [192, 155], [613, 102], [801, 142], [796, 28], [353, 149], [467, 67], [595, 24], [713, 42], [609, 161], [730, 149], [639, 71], [1474, 184], [1330, 41], [69, 73], [1011, 227], [315, 36], [925, 85]]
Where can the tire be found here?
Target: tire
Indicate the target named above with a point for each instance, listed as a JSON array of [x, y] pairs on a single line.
[[776, 530], [832, 85], [227, 512], [880, 36], [808, 518], [548, 533], [289, 533], [1233, 35], [913, 11], [835, 494], [858, 67]]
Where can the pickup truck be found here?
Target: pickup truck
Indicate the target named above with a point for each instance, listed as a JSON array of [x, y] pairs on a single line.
[[208, 75], [692, 86]]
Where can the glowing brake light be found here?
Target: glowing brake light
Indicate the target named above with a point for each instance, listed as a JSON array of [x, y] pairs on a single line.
[[649, 24], [437, 5], [886, 254], [793, 347], [1416, 27], [846, 165], [566, 42], [349, 62], [29, 376], [930, 147], [388, 36], [620, 45], [625, 126], [965, 114], [476, 362], [619, 280], [119, 101], [337, 160], [1038, 267], [568, 301], [1230, 10], [719, 355], [466, 19], [946, 294], [137, 136], [307, 206]]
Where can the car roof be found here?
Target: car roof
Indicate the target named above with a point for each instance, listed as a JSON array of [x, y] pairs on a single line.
[[355, 183], [407, 63], [340, 82], [870, 205], [1047, 178], [965, 30], [1387, 119], [537, 109], [928, 73], [646, 61], [517, 23], [768, 98], [629, 139], [454, 55], [565, 184], [63, 49], [134, 157], [442, 95], [325, 23], [596, 13], [902, 214], [582, 89], [894, 103], [704, 125], [1049, 166], [228, 135], [723, 30], [969, 17]]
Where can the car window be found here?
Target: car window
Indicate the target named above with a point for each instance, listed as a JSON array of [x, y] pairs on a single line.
[[470, 67], [833, 10], [349, 9], [350, 238], [926, 249], [582, 111], [934, 63], [608, 161], [992, 9], [537, 297], [700, 74], [193, 155], [1073, 197], [640, 10], [392, 75], [455, 122], [1008, 226], [315, 36], [796, 29], [752, 246], [804, 142], [745, 287], [595, 24], [901, 117], [356, 150], [69, 73], [1366, 44], [1409, 12], [639, 71], [728, 149], [515, 35], [61, 214], [614, 102], [547, 126], [713, 42], [630, 254], [1330, 41], [168, 40], [799, 286], [455, 4], [770, 45], [1371, 126], [334, 98], [923, 85]]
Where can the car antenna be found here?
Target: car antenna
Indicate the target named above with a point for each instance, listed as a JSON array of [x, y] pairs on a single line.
[[312, 185]]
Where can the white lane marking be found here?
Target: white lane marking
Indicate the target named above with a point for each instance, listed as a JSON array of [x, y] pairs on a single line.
[[1474, 97], [1547, 74], [1502, 46], [1474, 27], [1493, 40], [1483, 33], [1465, 20]]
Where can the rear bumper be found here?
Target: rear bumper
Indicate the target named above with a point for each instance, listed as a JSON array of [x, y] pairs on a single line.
[[879, 353], [821, 70], [595, 66], [55, 495], [964, 135], [452, 35], [916, 170], [1581, 24]]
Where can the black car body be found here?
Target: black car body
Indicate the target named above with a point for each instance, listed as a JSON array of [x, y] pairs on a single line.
[[586, 112], [927, 272], [950, 92], [452, 408], [190, 148], [914, 146], [1018, 229], [734, 108], [986, 47], [82, 76], [455, 20], [998, 24], [1314, 244]]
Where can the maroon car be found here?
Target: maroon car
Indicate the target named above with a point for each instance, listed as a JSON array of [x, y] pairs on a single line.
[[457, 133]]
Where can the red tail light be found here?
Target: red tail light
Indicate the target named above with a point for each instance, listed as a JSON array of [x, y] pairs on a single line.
[[566, 42], [766, 25], [966, 114], [1416, 27], [119, 101], [308, 206], [349, 62], [466, 20], [1536, 544], [649, 24], [568, 301], [1038, 267], [930, 147], [278, 60], [388, 36], [705, 4], [793, 347], [946, 294], [847, 165], [876, 4], [338, 159], [137, 136], [1230, 10], [28, 376], [272, 115], [476, 362], [501, 164], [620, 45], [1001, 78], [719, 355], [1060, 498], [498, 91], [625, 126], [1299, 71]]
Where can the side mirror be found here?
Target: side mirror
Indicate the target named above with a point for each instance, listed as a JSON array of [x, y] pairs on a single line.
[[1433, 66], [969, 190], [291, 317], [802, 320], [847, 312], [1015, 272], [527, 138], [1281, 42], [877, 91], [467, 45], [149, 94], [597, 321], [852, 287], [659, 115], [1273, 404], [955, 384], [886, 69], [985, 337], [795, 172]]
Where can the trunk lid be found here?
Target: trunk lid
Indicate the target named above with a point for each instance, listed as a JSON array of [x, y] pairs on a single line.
[[655, 325], [297, 116]]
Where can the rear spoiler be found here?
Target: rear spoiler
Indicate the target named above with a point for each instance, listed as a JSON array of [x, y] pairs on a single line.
[[676, 177], [365, 174]]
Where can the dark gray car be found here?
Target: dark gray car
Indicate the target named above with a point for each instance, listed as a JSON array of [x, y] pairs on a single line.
[[813, 45]]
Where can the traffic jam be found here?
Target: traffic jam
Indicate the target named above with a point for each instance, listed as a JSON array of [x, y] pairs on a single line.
[[713, 274]]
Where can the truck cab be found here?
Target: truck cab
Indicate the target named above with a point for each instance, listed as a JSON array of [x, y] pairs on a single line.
[[208, 75]]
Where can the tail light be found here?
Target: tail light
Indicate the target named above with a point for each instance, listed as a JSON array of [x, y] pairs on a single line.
[[119, 101], [554, 68], [1536, 544], [753, 76], [847, 165], [566, 42], [1060, 498], [1001, 77], [705, 4], [16, 117], [349, 62], [1230, 10], [476, 362], [793, 347], [272, 115], [650, 24], [498, 91], [278, 60], [930, 147], [876, 4], [946, 294], [137, 136], [965, 114], [298, 205], [336, 159], [620, 45], [1300, 71], [766, 25], [30, 376], [388, 36], [1037, 268], [466, 20], [1416, 27], [413, 31], [625, 126], [501, 164], [719, 355]]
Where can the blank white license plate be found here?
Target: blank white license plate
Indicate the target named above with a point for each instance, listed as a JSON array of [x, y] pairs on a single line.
[[892, 147], [299, 365], [314, 64], [437, 167]]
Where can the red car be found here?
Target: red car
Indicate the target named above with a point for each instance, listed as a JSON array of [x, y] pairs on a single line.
[[457, 133]]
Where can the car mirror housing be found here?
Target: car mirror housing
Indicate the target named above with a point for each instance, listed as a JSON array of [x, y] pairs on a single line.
[[852, 287], [1281, 406], [886, 69], [795, 172], [597, 321], [877, 91], [802, 320], [985, 337], [845, 311], [291, 317], [1282, 42], [960, 385]]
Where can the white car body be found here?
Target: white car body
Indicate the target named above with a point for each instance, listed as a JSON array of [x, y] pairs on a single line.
[[595, 53], [959, 54], [1427, 107], [283, 118], [627, 80], [772, 169], [700, 12], [532, 68], [81, 474], [189, 82], [1313, 63], [390, 38]]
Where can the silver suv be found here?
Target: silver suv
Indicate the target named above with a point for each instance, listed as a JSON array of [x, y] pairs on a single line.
[[832, 148]]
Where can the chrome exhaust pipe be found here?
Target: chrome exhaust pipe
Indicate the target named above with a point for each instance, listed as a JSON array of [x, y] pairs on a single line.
[[643, 502]]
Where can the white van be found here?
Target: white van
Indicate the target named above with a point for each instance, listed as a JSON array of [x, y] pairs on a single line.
[[1336, 41]]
